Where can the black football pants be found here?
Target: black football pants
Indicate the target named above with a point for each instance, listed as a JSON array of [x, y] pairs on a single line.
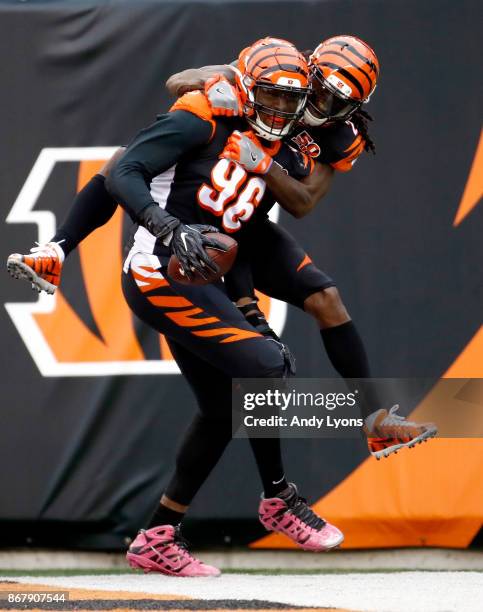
[[212, 343], [279, 267]]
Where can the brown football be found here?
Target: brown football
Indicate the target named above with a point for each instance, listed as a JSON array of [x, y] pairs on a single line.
[[223, 259]]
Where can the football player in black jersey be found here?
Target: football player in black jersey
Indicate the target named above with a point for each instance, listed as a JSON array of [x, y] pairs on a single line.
[[344, 72], [175, 180]]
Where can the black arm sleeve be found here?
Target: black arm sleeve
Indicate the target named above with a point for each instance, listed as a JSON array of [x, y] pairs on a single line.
[[153, 151]]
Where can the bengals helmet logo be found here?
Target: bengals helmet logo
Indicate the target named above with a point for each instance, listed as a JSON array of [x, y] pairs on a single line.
[[57, 337]]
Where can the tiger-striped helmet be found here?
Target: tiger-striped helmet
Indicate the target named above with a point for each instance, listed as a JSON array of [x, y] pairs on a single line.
[[343, 75], [272, 76]]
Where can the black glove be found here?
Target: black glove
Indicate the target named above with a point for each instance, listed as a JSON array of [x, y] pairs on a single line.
[[188, 244], [288, 360], [185, 241], [157, 221], [256, 318]]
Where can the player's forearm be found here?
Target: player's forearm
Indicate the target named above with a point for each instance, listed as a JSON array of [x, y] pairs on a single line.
[[127, 185], [194, 79], [299, 197], [153, 151], [290, 193], [130, 178]]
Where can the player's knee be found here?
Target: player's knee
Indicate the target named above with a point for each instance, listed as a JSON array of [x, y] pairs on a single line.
[[271, 362], [109, 165], [327, 307]]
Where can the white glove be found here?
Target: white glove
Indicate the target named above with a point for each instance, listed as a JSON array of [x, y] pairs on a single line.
[[247, 150], [223, 97]]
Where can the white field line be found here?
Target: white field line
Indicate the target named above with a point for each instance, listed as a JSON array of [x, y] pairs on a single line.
[[381, 592], [403, 559]]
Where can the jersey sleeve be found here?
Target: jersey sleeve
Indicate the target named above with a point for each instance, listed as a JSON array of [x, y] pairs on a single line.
[[196, 103], [301, 165], [153, 151], [342, 145]]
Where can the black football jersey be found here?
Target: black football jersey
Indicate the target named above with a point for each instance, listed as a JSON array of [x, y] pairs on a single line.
[[175, 163], [338, 143]]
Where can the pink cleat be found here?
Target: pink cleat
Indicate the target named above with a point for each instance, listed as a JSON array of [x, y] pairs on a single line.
[[162, 549], [292, 516]]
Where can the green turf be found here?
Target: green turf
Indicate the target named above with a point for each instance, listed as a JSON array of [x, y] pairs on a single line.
[[267, 572]]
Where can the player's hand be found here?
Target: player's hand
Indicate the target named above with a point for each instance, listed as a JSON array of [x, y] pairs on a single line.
[[157, 221], [247, 150], [223, 97], [256, 318], [189, 243], [289, 361]]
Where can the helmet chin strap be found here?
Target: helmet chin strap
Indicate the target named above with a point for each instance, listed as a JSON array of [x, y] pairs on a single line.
[[311, 119], [263, 130]]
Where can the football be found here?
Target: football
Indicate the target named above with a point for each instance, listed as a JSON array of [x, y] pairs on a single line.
[[223, 259]]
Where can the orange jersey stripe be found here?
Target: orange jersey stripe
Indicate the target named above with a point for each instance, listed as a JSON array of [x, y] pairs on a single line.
[[184, 318], [148, 283], [236, 334], [305, 262]]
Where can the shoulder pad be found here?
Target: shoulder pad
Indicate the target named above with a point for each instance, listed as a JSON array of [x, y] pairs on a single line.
[[194, 102]]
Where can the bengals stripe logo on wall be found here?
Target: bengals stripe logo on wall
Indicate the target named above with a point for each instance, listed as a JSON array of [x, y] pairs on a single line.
[[57, 338]]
